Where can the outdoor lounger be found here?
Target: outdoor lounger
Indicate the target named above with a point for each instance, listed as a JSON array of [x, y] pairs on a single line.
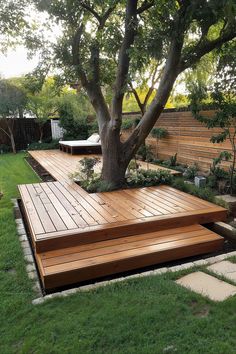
[[92, 143]]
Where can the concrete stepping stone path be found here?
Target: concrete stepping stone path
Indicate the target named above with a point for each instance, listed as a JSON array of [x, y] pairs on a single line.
[[224, 268], [207, 285]]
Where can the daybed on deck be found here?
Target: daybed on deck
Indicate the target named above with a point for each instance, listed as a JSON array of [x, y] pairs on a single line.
[[93, 143]]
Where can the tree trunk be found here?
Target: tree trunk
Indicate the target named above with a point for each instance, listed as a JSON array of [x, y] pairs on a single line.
[[40, 133], [13, 145], [11, 136], [115, 162]]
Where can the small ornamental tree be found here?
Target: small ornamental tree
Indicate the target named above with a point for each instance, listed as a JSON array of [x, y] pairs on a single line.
[[12, 103], [158, 133], [223, 95]]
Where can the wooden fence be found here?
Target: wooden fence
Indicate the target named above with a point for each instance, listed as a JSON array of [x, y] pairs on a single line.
[[187, 137], [26, 131]]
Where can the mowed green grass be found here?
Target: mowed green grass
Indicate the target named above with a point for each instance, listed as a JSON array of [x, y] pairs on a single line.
[[146, 315]]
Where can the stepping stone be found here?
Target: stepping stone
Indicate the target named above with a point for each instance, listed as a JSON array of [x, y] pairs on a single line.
[[224, 268], [206, 285]]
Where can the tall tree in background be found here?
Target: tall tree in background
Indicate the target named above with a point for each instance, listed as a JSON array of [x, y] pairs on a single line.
[[12, 104], [179, 32]]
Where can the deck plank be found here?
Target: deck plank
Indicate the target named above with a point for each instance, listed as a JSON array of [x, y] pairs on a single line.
[[65, 216], [55, 217], [33, 218]]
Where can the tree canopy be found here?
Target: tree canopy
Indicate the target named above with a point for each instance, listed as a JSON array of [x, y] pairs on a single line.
[[109, 42]]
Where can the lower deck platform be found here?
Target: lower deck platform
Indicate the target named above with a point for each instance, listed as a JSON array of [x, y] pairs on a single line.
[[81, 263]]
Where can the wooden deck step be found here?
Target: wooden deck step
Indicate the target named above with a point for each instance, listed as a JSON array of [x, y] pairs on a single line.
[[89, 261]]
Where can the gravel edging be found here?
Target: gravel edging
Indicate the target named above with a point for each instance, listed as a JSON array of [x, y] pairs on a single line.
[[26, 248]]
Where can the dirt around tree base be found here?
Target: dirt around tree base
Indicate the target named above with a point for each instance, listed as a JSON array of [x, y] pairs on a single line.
[[39, 170]]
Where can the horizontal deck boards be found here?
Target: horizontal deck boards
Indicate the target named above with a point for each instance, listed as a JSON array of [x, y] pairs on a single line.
[[61, 165], [98, 259], [61, 214]]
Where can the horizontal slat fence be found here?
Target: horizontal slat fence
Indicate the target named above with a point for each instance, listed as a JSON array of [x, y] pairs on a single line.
[[26, 131], [187, 137]]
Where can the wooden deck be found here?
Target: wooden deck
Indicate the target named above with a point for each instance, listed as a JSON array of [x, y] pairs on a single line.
[[60, 164], [79, 236]]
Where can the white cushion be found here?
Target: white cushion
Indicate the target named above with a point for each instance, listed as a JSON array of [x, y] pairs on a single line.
[[94, 138], [79, 143]]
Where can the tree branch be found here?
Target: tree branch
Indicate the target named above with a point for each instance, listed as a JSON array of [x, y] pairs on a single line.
[[90, 9], [148, 95], [123, 62], [101, 19], [145, 6], [135, 93], [107, 15], [76, 55], [4, 131], [205, 46]]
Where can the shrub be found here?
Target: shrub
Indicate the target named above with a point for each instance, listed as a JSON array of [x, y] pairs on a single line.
[[127, 123], [145, 178], [73, 111], [191, 172], [75, 129], [97, 185], [172, 162], [205, 193], [145, 153], [4, 148], [44, 146], [133, 165], [86, 170]]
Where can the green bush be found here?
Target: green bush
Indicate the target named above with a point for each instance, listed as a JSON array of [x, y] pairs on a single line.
[[4, 148], [191, 172], [73, 111], [75, 129], [145, 153], [44, 146], [97, 186], [146, 178], [159, 133], [171, 162], [203, 193], [127, 123]]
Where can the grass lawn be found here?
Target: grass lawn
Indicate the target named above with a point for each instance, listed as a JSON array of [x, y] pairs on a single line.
[[146, 315]]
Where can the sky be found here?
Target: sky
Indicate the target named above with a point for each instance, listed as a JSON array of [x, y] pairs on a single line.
[[15, 63]]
